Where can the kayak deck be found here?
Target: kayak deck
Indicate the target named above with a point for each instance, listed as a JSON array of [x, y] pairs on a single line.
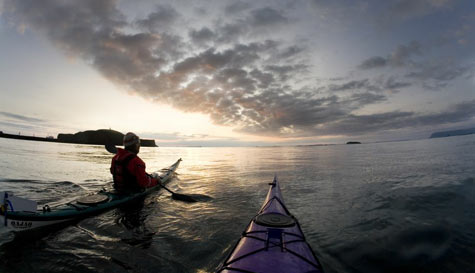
[[23, 221], [272, 242]]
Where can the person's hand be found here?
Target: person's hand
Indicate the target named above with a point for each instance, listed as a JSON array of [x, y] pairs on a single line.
[[156, 176]]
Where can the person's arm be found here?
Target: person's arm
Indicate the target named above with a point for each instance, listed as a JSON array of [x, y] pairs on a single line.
[[112, 165], [143, 179]]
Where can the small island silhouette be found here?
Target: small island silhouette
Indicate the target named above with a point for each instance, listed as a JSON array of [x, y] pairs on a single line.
[[91, 137]]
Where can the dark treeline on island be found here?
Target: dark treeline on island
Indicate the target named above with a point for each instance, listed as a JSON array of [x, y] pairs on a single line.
[[453, 133], [92, 137]]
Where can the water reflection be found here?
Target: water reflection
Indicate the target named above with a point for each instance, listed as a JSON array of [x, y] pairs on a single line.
[[133, 217], [363, 208]]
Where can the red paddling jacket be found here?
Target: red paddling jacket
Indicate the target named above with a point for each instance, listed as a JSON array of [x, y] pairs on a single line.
[[128, 171]]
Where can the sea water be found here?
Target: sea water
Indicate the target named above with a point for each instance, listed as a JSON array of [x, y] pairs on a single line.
[[382, 207]]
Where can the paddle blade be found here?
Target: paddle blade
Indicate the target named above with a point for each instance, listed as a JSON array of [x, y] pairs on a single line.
[[111, 148], [183, 197]]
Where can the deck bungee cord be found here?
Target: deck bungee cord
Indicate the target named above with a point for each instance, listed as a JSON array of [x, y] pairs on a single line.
[[272, 242]]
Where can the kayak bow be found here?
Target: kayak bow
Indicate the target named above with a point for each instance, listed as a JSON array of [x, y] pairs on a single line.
[[81, 208], [272, 242]]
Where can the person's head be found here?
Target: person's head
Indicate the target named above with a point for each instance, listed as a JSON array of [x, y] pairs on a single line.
[[132, 142]]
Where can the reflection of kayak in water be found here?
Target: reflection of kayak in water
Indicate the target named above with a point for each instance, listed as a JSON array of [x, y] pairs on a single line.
[[20, 214], [272, 242]]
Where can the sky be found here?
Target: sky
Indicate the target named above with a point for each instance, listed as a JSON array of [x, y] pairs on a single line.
[[238, 73]]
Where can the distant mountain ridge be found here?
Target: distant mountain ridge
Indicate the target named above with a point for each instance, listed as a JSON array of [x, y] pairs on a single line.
[[460, 132]]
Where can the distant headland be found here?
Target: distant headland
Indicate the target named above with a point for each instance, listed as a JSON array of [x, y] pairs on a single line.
[[453, 133], [91, 137]]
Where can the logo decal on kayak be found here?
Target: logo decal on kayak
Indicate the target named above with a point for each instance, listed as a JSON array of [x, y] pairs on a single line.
[[21, 224]]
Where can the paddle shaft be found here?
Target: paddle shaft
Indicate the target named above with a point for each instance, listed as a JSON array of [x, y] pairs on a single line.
[[161, 185]]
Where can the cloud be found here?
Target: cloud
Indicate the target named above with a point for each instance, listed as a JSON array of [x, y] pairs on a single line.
[[463, 34], [284, 72], [456, 113], [13, 127], [251, 23], [228, 72], [432, 73], [374, 62], [290, 52], [367, 98], [17, 117], [393, 84], [236, 7], [439, 73], [263, 79], [402, 53], [439, 70], [352, 85], [162, 19], [344, 13], [202, 36], [13, 123], [366, 85], [231, 32], [365, 124], [406, 10], [399, 57], [267, 17]]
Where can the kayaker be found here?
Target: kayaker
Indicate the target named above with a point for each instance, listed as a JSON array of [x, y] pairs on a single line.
[[128, 170]]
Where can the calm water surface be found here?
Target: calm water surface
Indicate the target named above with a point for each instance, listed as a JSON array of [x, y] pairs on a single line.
[[387, 207]]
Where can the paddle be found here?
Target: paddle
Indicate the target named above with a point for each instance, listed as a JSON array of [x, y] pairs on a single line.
[[177, 196], [111, 148]]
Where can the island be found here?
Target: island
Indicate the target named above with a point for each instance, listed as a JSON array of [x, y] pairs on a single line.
[[460, 132], [91, 137], [353, 142]]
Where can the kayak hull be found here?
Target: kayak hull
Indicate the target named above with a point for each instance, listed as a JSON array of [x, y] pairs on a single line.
[[18, 225], [19, 221], [272, 242]]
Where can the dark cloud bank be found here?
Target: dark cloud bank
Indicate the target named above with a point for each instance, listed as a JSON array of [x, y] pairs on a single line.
[[211, 70], [15, 122], [433, 74]]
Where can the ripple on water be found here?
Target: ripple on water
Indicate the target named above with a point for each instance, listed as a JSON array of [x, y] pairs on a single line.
[[371, 208], [405, 251]]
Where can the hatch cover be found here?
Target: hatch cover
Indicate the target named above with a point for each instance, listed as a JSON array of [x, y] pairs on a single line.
[[92, 199], [275, 220]]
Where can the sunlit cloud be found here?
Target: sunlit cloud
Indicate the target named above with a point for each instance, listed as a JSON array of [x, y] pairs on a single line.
[[232, 64]]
